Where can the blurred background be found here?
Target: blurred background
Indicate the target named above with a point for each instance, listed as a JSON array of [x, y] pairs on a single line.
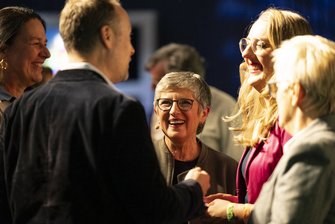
[[213, 27]]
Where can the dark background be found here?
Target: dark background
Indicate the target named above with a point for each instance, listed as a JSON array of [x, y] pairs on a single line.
[[214, 27]]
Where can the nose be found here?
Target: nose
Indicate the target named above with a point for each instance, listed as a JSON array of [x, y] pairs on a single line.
[[132, 51], [247, 51], [174, 108], [45, 52]]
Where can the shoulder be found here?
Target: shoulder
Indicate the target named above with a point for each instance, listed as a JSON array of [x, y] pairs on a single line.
[[221, 95], [217, 157]]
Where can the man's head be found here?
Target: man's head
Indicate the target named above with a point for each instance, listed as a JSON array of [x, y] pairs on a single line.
[[98, 31], [174, 58]]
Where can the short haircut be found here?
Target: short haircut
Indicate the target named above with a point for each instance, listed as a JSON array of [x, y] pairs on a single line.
[[80, 23], [185, 80], [310, 61]]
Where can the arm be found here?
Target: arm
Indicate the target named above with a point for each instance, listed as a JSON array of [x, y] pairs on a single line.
[[303, 190], [140, 183], [229, 211], [299, 190]]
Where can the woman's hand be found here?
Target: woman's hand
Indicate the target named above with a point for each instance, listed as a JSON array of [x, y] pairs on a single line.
[[228, 197], [218, 208]]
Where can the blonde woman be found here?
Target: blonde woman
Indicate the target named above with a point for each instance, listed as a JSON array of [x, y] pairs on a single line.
[[301, 189], [259, 132]]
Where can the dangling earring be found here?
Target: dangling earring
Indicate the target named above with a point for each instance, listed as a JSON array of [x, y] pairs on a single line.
[[3, 64]]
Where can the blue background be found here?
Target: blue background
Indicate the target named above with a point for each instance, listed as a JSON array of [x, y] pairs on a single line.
[[214, 27]]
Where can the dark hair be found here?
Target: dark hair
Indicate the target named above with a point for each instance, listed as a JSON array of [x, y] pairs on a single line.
[[11, 20]]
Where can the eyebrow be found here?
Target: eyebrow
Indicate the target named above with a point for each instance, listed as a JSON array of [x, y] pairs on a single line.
[[30, 38]]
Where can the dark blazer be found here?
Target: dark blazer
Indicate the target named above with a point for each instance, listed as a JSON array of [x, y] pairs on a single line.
[[78, 151]]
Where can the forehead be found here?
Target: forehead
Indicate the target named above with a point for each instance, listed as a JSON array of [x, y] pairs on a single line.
[[33, 28], [124, 21], [176, 92], [258, 30]]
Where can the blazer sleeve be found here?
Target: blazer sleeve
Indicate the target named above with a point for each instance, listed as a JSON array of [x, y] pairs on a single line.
[[303, 188]]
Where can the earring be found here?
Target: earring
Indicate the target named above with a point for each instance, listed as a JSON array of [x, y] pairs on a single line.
[[3, 64]]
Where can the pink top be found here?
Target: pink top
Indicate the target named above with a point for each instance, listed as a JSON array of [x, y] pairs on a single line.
[[261, 162]]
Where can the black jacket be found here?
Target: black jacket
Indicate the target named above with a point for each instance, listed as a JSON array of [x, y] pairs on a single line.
[[78, 151]]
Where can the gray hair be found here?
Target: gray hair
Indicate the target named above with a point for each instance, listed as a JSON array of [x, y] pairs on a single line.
[[189, 81], [186, 80], [178, 57]]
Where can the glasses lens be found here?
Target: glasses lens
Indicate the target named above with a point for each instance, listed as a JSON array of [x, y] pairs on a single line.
[[258, 46], [185, 104], [165, 104], [243, 44]]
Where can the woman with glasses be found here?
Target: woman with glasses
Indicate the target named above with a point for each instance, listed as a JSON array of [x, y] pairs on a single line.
[[301, 188], [259, 132], [182, 103]]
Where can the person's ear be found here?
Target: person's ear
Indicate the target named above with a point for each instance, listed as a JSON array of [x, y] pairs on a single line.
[[204, 114], [107, 36], [298, 94]]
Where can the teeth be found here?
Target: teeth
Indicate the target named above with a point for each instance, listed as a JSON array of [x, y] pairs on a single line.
[[176, 122]]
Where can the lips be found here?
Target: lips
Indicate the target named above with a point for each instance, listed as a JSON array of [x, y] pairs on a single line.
[[176, 122], [255, 68]]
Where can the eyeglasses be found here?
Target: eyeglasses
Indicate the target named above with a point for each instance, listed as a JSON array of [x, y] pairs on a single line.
[[273, 88], [258, 46], [183, 104]]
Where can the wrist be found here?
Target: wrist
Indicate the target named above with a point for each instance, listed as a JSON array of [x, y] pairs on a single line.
[[230, 212]]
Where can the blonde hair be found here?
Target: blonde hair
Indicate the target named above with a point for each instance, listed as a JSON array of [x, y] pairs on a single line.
[[312, 64], [257, 112]]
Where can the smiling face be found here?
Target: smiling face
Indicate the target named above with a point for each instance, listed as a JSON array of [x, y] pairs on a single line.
[[260, 65], [180, 126], [26, 55]]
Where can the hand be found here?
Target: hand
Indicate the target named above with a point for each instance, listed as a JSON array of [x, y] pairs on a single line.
[[218, 208], [228, 197], [201, 177]]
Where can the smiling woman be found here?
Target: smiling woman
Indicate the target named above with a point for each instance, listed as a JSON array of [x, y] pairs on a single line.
[[182, 103], [22, 51]]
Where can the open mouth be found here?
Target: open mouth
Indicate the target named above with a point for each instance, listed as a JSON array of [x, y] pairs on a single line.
[[176, 122]]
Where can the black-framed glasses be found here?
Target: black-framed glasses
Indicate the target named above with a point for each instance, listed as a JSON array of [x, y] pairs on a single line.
[[165, 104], [258, 46]]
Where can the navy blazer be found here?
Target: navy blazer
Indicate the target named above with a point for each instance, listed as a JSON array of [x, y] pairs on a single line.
[[78, 151]]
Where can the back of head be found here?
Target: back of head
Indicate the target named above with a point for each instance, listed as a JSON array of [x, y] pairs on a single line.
[[185, 80], [310, 61], [80, 22], [11, 20], [178, 57]]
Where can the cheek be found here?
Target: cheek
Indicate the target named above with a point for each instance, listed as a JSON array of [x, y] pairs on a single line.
[[266, 61]]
